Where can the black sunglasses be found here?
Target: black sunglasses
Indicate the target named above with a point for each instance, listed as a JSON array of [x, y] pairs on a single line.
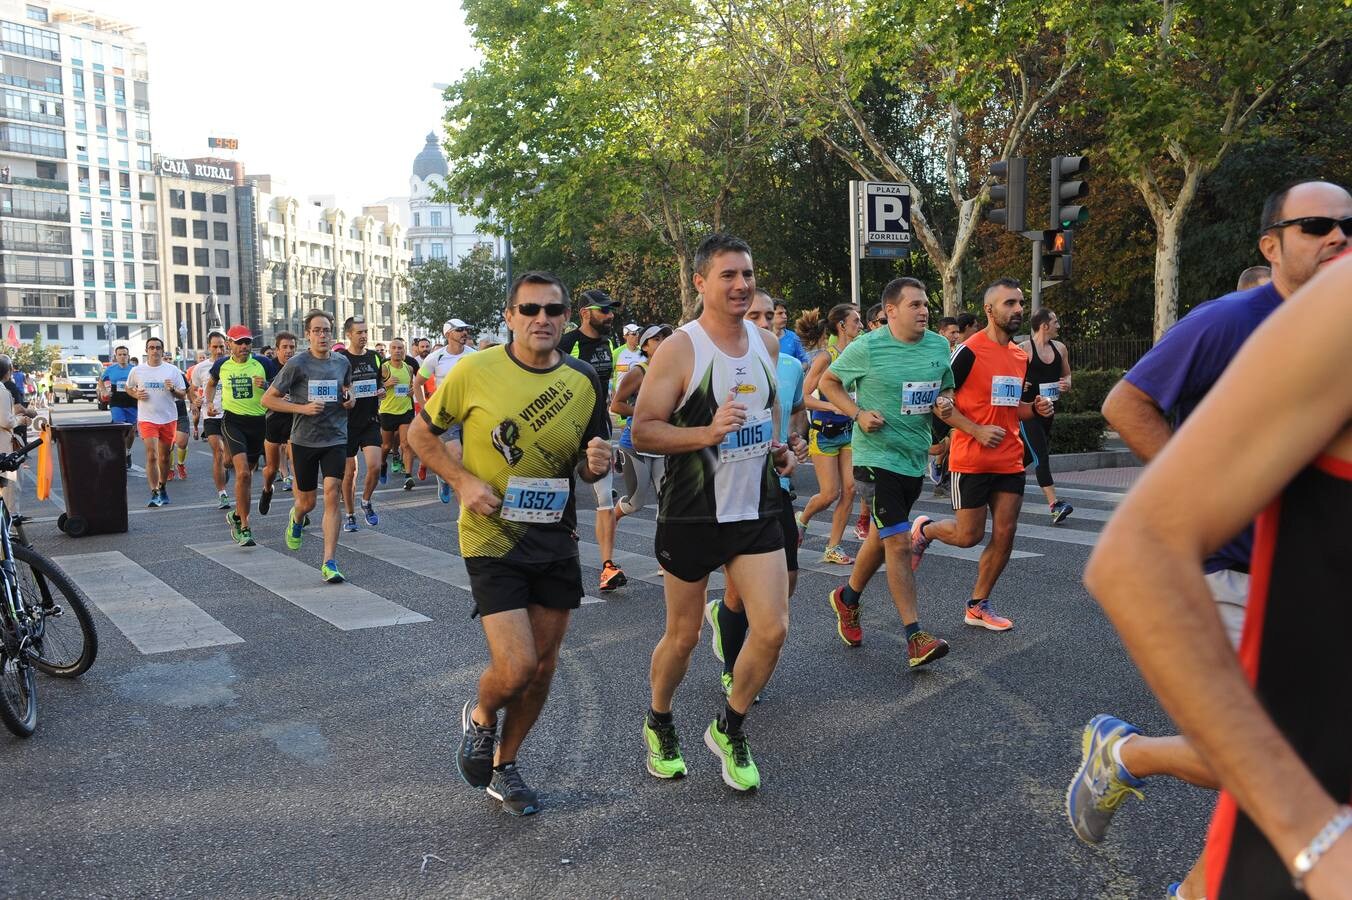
[[881, 320], [243, 340], [1316, 226], [551, 309]]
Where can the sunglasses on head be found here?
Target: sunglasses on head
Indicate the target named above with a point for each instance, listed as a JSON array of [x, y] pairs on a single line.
[[551, 309], [1316, 226]]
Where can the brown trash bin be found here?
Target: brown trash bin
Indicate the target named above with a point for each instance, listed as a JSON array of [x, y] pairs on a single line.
[[93, 478]]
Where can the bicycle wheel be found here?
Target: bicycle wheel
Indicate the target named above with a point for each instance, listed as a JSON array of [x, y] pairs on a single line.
[[68, 641], [18, 692]]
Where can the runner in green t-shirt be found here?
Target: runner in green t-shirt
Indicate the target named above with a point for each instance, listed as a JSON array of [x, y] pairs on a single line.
[[899, 373], [243, 377], [396, 412]]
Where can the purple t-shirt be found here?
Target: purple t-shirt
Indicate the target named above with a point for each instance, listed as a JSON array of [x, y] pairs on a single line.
[[1179, 371]]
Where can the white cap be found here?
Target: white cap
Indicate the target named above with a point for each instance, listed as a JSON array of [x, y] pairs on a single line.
[[631, 328], [454, 325]]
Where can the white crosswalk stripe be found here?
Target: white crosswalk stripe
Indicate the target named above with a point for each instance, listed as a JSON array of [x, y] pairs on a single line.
[[153, 616], [345, 606]]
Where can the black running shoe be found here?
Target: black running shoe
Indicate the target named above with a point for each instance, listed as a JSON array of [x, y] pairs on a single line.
[[475, 759], [509, 787], [265, 501]]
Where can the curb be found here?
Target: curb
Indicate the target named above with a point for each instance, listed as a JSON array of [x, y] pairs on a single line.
[[1104, 459]]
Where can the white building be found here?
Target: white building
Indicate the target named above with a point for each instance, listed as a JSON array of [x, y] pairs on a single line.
[[311, 255], [439, 230], [78, 238]]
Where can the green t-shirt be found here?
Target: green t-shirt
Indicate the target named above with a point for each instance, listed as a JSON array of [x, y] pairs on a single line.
[[241, 395], [900, 381]]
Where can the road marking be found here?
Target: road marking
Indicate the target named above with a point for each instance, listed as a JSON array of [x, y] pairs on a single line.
[[1113, 497], [154, 617], [448, 568], [344, 606], [1081, 513]]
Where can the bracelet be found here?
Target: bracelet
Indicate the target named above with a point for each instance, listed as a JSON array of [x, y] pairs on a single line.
[[1320, 844]]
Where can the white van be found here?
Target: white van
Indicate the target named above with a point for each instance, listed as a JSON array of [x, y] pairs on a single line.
[[76, 378]]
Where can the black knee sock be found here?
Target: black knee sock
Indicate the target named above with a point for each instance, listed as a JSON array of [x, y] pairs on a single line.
[[731, 720], [732, 627]]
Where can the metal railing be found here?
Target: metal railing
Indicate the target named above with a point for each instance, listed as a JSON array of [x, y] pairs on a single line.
[[1108, 353]]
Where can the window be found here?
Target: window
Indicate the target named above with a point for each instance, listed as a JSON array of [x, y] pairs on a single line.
[[105, 184], [36, 270], [131, 306], [434, 218], [96, 53], [221, 232], [180, 284], [129, 275], [199, 229], [28, 332], [122, 332], [120, 93], [53, 331], [218, 203], [31, 108], [107, 238], [150, 279], [201, 257], [77, 82], [128, 245], [29, 41], [178, 227], [76, 48], [177, 199], [87, 242], [149, 247], [37, 13], [124, 184], [118, 57], [202, 284], [80, 122], [153, 308], [438, 250], [77, 332], [91, 304], [222, 259], [125, 209], [106, 211], [199, 201], [86, 210], [101, 119], [88, 269], [35, 237], [109, 274], [417, 219], [180, 256], [223, 286], [100, 86], [34, 204], [31, 139], [110, 305], [120, 121]]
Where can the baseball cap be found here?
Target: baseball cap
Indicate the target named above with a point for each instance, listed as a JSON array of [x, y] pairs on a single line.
[[454, 325], [239, 333], [653, 331], [632, 328], [598, 299]]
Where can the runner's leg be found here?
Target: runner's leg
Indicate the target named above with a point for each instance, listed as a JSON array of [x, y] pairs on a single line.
[[828, 487], [845, 505], [671, 656], [243, 488], [349, 487], [546, 627], [766, 599], [333, 498], [371, 456], [1004, 508]]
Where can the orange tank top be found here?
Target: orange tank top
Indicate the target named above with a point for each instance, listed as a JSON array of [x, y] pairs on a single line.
[[990, 395]]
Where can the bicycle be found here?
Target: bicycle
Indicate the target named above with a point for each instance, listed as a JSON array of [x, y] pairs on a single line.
[[45, 625]]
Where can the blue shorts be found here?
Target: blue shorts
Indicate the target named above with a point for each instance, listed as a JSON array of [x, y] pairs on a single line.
[[123, 415]]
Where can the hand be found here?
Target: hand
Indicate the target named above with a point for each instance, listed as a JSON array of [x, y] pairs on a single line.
[[313, 408], [350, 402], [1064, 384], [727, 418], [598, 456], [211, 410], [1043, 407], [476, 495], [391, 383], [943, 407], [870, 421], [783, 459], [258, 381], [798, 446], [989, 436], [1331, 877]]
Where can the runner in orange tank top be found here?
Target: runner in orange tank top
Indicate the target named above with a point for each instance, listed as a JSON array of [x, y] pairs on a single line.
[[987, 456]]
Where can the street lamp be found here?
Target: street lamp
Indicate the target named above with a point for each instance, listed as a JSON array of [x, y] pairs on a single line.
[[108, 330]]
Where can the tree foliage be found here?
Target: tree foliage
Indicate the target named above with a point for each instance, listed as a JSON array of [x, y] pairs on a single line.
[[35, 356], [474, 290]]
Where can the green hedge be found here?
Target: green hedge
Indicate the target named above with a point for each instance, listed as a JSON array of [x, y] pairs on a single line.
[[1078, 432], [1088, 388]]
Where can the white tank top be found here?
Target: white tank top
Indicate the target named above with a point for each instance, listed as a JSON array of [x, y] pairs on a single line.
[[735, 481]]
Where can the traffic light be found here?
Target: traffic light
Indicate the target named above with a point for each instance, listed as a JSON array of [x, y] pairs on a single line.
[[1010, 189], [1057, 247], [1066, 189]]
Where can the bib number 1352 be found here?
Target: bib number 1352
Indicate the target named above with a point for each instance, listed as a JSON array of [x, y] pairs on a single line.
[[534, 500]]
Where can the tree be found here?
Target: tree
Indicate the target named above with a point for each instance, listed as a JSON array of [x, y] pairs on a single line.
[[37, 356], [1185, 82], [475, 290]]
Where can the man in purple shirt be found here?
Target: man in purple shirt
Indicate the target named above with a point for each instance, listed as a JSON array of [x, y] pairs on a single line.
[[1303, 227]]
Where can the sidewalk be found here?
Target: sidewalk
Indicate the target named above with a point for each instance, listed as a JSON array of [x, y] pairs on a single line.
[[1121, 477]]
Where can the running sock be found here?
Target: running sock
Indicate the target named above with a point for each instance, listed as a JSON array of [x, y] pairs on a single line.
[[657, 718], [1117, 758], [911, 629], [849, 596], [732, 627], [974, 601], [502, 766], [731, 720]]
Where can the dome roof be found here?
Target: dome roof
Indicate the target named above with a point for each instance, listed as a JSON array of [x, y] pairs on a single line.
[[431, 161]]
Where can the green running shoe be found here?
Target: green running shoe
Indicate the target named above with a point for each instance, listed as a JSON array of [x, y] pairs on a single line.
[[294, 531], [739, 770], [715, 635], [726, 678], [246, 538], [330, 572], [233, 521], [664, 750]]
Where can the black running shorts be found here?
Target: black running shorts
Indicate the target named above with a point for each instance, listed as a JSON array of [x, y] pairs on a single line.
[[498, 585], [973, 490], [393, 421], [309, 462], [243, 434], [366, 436], [789, 528], [889, 497], [278, 427], [210, 427], [691, 552]]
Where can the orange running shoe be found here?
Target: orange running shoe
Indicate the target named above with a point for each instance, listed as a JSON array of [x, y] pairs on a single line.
[[612, 577], [923, 647], [182, 472], [982, 616], [847, 618]]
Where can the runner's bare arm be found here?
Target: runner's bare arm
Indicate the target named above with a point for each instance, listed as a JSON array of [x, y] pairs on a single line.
[[622, 404], [418, 388], [663, 387], [812, 381], [1065, 366], [1132, 413], [1215, 475], [475, 493]]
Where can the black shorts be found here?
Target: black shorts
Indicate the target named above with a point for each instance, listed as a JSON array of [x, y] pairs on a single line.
[[278, 428], [367, 435], [243, 434], [210, 427], [498, 585], [889, 497], [691, 551], [972, 490], [182, 426], [308, 462], [789, 527], [393, 421]]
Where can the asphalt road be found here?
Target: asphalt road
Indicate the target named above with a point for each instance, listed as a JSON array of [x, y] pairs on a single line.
[[305, 760]]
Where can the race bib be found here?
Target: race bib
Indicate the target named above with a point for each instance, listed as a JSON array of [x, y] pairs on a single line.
[[121, 386], [324, 389], [917, 397], [365, 388], [749, 441], [154, 385], [401, 390], [1006, 390], [534, 500], [1051, 391], [241, 387]]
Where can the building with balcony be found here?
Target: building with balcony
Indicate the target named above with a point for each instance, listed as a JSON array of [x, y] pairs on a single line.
[[76, 185], [438, 230], [314, 255]]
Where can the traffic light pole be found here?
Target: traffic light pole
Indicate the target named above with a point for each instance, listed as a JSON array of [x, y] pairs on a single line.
[[855, 213], [1037, 272]]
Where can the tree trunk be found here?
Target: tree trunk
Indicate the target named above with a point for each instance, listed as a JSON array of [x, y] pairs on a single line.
[[1167, 234], [952, 288], [689, 299]]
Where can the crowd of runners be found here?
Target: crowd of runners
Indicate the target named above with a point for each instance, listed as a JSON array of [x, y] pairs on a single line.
[[717, 413]]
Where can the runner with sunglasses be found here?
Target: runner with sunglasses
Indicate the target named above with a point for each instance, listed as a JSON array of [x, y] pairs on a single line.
[[242, 378]]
